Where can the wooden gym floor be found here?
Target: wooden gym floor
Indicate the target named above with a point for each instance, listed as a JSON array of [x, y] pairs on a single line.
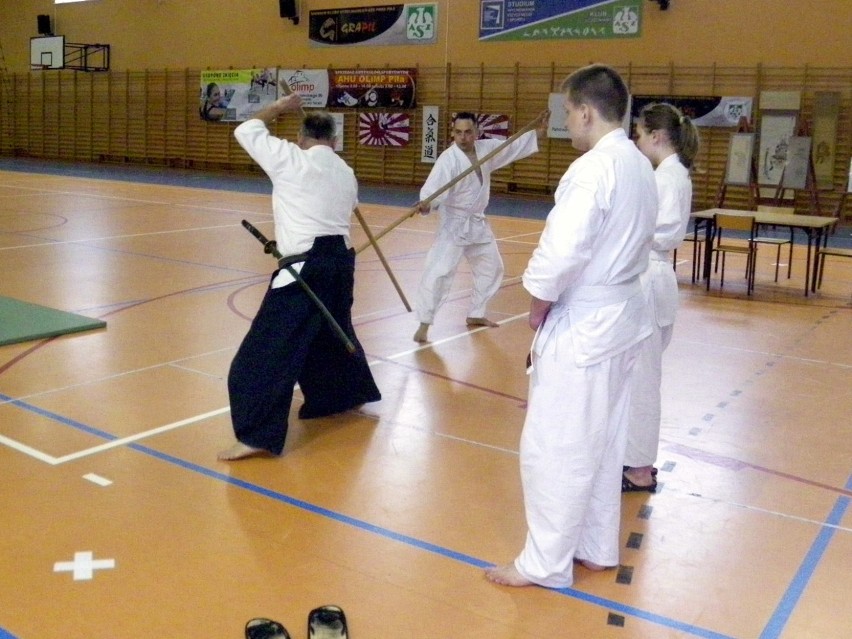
[[108, 446]]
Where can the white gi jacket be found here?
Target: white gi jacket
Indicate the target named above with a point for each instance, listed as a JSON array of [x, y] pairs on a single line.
[[674, 189], [594, 246], [313, 191], [462, 208]]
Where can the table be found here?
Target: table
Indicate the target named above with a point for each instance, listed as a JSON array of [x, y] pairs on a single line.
[[814, 226]]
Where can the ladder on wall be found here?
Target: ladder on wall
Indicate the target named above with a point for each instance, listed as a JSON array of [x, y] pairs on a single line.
[[5, 100]]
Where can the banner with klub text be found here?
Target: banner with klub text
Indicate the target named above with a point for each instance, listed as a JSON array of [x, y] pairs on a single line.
[[379, 88], [502, 20], [236, 95], [394, 24]]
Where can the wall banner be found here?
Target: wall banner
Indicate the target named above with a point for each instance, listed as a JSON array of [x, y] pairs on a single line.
[[501, 20], [384, 129], [310, 84], [429, 135], [339, 124], [235, 95], [395, 24], [382, 88], [710, 111]]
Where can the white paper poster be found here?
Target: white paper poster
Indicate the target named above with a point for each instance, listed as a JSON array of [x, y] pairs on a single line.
[[429, 139]]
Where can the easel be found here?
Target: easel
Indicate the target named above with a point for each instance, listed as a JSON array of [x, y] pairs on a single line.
[[753, 192], [755, 195]]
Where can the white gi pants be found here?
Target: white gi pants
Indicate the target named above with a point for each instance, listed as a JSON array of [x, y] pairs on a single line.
[[442, 261], [572, 448], [643, 433]]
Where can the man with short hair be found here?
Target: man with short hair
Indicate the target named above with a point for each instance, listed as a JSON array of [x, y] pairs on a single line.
[[590, 315], [313, 195], [463, 230]]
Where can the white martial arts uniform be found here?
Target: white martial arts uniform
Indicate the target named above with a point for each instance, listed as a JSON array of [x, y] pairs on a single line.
[[594, 246], [313, 190], [674, 191], [463, 230]]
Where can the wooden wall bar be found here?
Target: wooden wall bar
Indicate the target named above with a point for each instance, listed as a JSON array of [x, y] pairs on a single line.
[[151, 117]]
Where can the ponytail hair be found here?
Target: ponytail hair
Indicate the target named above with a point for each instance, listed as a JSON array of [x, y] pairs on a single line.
[[682, 132]]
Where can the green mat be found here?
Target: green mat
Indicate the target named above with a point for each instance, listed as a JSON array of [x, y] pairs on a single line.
[[22, 322]]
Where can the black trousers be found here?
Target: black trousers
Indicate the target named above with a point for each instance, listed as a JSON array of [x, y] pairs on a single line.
[[289, 341]]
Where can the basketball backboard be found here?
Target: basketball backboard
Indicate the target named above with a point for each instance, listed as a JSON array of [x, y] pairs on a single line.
[[47, 52]]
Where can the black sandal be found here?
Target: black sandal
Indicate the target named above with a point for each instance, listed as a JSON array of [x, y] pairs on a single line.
[[260, 628], [628, 486], [327, 622], [654, 469]]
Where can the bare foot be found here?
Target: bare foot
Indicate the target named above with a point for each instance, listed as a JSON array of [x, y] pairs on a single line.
[[420, 335], [242, 451], [641, 477], [507, 575], [481, 321], [590, 565]]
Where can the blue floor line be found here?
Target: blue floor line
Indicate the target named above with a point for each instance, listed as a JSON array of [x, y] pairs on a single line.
[[425, 545], [787, 605], [368, 527]]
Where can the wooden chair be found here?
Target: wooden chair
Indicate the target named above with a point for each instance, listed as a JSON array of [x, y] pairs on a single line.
[[697, 246], [830, 252], [777, 241], [741, 223]]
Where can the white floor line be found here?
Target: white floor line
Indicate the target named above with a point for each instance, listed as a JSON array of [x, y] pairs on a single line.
[[28, 450], [32, 452], [765, 511], [86, 240], [115, 443]]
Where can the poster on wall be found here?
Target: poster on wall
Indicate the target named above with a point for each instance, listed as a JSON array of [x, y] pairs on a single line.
[[556, 125], [381, 88], [394, 24], [502, 20], [236, 95], [384, 129], [709, 111], [310, 84], [339, 131], [429, 135]]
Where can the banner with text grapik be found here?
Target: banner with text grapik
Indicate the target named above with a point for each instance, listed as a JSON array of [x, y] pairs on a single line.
[[502, 20], [394, 24]]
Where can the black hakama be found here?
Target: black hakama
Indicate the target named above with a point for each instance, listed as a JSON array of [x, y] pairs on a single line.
[[290, 341]]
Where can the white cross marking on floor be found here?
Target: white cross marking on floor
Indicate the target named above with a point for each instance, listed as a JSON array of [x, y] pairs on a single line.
[[83, 565]]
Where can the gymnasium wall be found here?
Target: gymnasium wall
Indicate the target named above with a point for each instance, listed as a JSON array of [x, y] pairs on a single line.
[[145, 109], [179, 34]]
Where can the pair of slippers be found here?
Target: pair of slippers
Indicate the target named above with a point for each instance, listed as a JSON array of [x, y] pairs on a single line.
[[628, 486], [325, 622]]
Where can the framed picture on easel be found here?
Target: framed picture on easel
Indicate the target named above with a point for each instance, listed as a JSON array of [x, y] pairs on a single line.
[[740, 156], [798, 163], [849, 182], [776, 129]]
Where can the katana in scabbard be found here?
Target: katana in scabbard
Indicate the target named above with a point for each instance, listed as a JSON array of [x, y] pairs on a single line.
[[269, 246]]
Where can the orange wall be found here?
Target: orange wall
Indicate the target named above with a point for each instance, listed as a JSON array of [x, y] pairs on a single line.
[[176, 34]]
